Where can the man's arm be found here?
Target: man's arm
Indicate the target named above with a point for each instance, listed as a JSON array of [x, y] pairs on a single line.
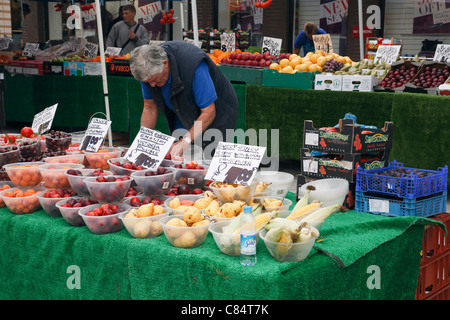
[[140, 37], [206, 117], [149, 115]]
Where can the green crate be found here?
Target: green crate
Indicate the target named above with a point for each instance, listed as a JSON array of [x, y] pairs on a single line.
[[243, 75], [298, 80]]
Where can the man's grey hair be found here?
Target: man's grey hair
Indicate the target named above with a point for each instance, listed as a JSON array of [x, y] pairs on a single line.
[[147, 61]]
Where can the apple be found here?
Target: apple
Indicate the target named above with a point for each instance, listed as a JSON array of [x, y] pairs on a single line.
[[262, 63]]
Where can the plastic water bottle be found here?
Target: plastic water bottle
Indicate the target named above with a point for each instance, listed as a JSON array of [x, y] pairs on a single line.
[[248, 237]]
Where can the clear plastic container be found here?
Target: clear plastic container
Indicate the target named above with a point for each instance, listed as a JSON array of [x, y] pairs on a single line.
[[70, 158], [154, 185], [241, 193], [284, 252], [184, 237], [329, 191], [279, 182], [146, 227], [54, 174], [49, 204], [77, 182], [183, 197], [193, 178], [286, 203], [315, 224], [100, 158], [108, 191], [230, 244], [70, 214], [22, 205], [103, 224], [24, 174]]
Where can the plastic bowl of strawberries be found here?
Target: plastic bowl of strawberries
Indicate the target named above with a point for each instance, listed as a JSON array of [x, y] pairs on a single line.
[[103, 218]]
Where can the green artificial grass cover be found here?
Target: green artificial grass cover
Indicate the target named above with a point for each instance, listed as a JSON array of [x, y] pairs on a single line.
[[39, 253]]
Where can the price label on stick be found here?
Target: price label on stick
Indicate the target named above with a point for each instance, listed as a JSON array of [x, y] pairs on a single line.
[[95, 134], [227, 42], [388, 54], [149, 148], [91, 50], [323, 42], [442, 53], [4, 42], [235, 163], [30, 49], [42, 121], [271, 45], [113, 51]]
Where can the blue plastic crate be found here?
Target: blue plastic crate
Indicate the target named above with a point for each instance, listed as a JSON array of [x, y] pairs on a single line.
[[425, 207], [413, 183]]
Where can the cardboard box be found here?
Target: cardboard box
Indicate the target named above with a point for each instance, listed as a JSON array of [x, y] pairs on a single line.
[[349, 201], [14, 66], [57, 68], [343, 166], [92, 68], [119, 68], [411, 87], [358, 83], [328, 81], [444, 89], [298, 80], [348, 138], [73, 68], [33, 67]]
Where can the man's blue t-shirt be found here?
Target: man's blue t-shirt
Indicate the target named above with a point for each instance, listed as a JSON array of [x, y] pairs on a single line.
[[202, 86], [302, 40]]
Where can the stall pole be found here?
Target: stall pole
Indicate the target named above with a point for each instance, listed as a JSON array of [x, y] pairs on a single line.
[[102, 59], [361, 35]]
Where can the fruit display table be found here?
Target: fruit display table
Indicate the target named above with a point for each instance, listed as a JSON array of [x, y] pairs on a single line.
[[361, 256]]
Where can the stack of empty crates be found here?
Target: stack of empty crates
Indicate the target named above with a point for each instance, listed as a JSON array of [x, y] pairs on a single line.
[[434, 274], [330, 152]]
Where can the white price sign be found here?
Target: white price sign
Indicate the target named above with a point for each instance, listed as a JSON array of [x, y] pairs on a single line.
[[90, 50], [4, 43], [149, 148], [227, 42], [323, 42], [442, 53], [235, 163], [30, 49], [271, 45], [95, 134], [388, 54], [44, 119], [113, 51]]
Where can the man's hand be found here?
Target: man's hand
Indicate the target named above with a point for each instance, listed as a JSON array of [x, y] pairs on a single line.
[[132, 35], [178, 148]]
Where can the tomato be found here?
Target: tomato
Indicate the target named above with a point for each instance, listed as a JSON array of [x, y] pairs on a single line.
[[8, 140], [26, 132]]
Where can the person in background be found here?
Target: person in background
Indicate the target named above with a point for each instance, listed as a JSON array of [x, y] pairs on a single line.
[[179, 80], [114, 21], [127, 34], [305, 38]]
